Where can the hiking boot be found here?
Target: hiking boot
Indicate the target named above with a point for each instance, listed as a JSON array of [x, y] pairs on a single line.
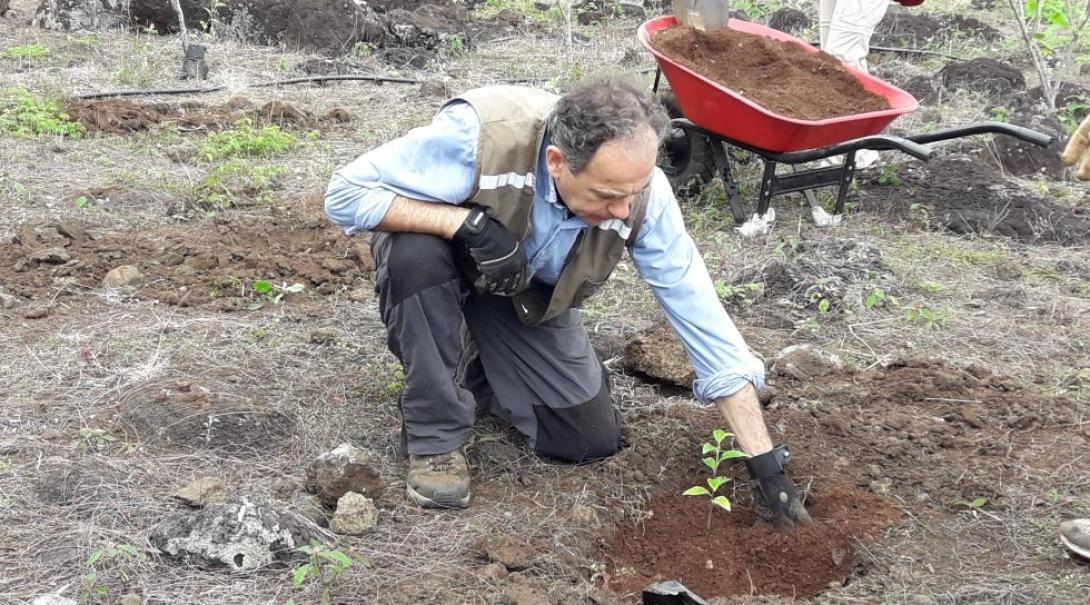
[[1075, 534], [439, 481]]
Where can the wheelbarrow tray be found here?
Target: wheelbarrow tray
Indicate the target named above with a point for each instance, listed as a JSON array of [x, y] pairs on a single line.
[[720, 110]]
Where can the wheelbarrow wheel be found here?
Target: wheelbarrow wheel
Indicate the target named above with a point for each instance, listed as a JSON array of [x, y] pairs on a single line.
[[686, 156]]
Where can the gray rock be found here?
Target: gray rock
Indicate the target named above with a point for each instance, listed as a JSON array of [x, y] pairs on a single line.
[[240, 534], [53, 256], [355, 515], [805, 362], [310, 507], [79, 15], [657, 352], [203, 492], [7, 301], [121, 276], [53, 599], [345, 469], [36, 312]]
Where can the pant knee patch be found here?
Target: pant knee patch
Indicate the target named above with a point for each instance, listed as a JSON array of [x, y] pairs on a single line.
[[415, 262], [581, 432]]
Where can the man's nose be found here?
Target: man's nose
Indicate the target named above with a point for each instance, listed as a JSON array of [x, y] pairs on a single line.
[[620, 208]]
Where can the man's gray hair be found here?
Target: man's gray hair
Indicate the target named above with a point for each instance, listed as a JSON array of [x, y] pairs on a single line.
[[601, 110]]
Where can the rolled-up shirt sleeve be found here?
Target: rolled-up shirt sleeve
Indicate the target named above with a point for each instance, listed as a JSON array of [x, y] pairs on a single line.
[[433, 163], [668, 260]]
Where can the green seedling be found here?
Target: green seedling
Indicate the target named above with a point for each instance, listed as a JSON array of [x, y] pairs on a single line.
[[110, 564], [24, 115], [324, 566], [931, 318], [272, 292], [246, 140], [26, 51], [743, 294], [713, 456]]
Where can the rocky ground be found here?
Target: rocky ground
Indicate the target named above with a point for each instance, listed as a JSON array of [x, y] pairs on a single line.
[[195, 381]]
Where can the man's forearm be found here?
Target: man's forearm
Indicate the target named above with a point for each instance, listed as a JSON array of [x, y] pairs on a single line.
[[414, 216], [742, 411]]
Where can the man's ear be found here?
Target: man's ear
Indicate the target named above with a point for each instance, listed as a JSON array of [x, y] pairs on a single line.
[[554, 160]]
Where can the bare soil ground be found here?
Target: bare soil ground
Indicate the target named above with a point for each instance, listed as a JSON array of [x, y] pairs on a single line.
[[938, 461]]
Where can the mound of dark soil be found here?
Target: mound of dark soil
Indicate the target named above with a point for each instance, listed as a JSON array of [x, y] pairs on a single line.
[[995, 79], [916, 28], [781, 76], [966, 195], [735, 556], [192, 264], [931, 434], [790, 20], [122, 116]]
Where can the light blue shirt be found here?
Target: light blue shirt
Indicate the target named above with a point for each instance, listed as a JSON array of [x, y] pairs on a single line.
[[436, 163]]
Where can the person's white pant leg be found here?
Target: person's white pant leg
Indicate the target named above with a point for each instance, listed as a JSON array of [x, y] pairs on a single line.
[[825, 19], [850, 29]]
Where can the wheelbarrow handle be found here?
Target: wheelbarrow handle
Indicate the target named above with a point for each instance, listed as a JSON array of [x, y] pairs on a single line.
[[1018, 132]]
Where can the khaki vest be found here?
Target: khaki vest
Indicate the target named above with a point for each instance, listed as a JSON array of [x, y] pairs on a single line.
[[513, 122]]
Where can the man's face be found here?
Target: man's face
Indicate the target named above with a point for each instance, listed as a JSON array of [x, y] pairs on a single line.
[[617, 172]]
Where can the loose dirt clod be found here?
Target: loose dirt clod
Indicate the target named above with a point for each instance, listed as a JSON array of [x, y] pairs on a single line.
[[781, 76]]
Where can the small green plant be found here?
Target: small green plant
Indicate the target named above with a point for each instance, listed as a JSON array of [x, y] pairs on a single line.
[[1053, 32], [98, 575], [272, 292], [362, 50], [81, 202], [973, 505], [1072, 115], [324, 566], [714, 455], [397, 380], [230, 183], [246, 140], [878, 297], [931, 287], [26, 51], [930, 318], [742, 294], [26, 116], [890, 176], [1001, 114]]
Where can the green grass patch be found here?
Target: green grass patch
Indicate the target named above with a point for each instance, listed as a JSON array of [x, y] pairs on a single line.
[[26, 51], [27, 116], [246, 140], [234, 182]]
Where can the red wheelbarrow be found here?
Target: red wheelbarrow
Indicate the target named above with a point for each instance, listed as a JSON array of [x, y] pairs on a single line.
[[713, 116]]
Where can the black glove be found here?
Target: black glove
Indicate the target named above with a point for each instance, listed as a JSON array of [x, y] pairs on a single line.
[[499, 264], [777, 500]]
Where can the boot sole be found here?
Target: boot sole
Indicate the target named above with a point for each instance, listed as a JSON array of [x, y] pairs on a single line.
[[445, 501], [1078, 550]]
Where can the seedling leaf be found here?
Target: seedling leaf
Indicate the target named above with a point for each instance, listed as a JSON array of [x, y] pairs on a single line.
[[731, 454], [262, 286], [978, 502], [715, 482], [719, 435], [708, 448], [722, 502], [710, 463], [696, 490]]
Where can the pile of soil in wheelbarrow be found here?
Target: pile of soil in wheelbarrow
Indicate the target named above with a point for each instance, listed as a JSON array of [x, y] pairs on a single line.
[[781, 76]]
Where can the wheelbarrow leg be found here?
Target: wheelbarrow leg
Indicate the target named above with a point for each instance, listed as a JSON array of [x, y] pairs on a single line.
[[767, 182], [846, 174], [723, 163]]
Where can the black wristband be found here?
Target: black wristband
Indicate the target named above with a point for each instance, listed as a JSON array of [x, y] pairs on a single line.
[[473, 224], [769, 463]]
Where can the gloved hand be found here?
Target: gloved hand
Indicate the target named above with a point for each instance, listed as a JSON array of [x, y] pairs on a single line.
[[777, 501], [498, 259], [1077, 152]]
